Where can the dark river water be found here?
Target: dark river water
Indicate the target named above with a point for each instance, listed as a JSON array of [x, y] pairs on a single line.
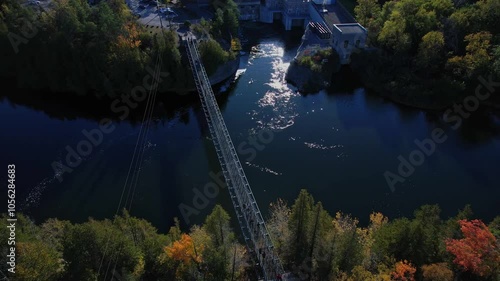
[[336, 143]]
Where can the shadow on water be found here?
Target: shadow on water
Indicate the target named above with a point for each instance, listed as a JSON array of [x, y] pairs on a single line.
[[344, 81], [256, 33], [103, 173], [66, 106], [480, 127], [186, 153]]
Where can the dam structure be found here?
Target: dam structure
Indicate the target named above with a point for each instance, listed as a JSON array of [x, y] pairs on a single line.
[[326, 23]]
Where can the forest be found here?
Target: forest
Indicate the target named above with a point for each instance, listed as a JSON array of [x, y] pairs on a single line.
[[429, 52], [311, 243], [100, 49]]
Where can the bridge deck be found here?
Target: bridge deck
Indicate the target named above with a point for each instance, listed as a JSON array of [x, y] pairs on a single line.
[[247, 211]]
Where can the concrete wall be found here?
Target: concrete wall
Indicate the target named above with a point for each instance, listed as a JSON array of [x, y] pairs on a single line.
[[326, 2], [249, 12], [287, 22], [266, 15], [354, 41]]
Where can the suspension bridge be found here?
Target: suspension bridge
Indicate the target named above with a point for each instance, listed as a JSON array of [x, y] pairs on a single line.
[[247, 211]]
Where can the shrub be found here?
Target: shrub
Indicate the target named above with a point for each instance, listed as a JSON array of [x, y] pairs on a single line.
[[437, 272]]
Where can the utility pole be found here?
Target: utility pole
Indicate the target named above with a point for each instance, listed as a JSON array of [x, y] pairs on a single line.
[[159, 15]]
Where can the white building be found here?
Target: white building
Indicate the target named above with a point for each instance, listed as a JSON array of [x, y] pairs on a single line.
[[346, 38]]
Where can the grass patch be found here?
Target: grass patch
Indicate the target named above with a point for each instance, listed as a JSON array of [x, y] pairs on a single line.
[[315, 61]]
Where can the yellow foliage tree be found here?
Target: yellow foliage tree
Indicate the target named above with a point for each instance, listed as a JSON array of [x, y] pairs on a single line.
[[437, 272], [129, 40], [377, 219], [37, 261]]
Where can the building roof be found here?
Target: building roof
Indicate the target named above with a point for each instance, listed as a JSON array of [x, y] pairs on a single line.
[[334, 14], [350, 28]]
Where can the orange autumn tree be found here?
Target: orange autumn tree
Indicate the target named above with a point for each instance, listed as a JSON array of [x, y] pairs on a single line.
[[184, 250], [130, 38], [478, 251], [404, 272]]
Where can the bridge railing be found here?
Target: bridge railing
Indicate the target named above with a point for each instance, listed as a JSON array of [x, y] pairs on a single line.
[[248, 213]]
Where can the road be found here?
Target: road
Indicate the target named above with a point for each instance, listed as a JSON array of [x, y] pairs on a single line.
[[150, 17]]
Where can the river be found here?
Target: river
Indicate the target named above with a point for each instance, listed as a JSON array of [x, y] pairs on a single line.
[[337, 144]]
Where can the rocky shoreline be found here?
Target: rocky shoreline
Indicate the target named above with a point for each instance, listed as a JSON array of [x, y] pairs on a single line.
[[305, 79]]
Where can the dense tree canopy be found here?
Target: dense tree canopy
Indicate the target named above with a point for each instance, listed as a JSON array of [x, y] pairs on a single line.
[[386, 250], [128, 248], [96, 49], [225, 21], [312, 245], [429, 52]]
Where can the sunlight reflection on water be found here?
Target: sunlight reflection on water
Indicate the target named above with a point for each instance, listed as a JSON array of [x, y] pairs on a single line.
[[277, 108], [264, 169]]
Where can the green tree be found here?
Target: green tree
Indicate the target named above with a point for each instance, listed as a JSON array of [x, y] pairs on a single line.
[[218, 255], [489, 15], [424, 234], [300, 223], [89, 244], [476, 59], [442, 8], [494, 227], [418, 20], [425, 21], [393, 35], [320, 227], [37, 261], [212, 55], [366, 10], [495, 66], [347, 240], [218, 23], [149, 243], [217, 224], [431, 51], [437, 272], [231, 15], [392, 240]]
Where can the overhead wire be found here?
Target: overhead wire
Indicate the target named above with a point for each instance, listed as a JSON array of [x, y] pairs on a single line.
[[141, 143], [135, 156]]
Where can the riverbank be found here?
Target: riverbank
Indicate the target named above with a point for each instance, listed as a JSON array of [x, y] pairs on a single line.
[[68, 249], [305, 79], [222, 74], [225, 71], [401, 84], [312, 68], [346, 136], [309, 81]]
